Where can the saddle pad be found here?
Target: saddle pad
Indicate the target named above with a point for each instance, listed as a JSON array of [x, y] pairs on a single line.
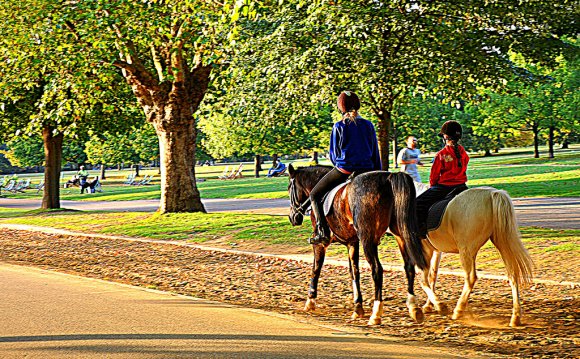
[[329, 198]]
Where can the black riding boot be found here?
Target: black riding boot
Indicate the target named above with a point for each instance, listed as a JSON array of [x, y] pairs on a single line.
[[322, 232]]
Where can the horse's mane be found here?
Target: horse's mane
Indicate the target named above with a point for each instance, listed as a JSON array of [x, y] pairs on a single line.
[[311, 174]]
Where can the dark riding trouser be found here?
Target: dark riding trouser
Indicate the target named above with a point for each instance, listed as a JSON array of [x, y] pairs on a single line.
[[327, 183], [427, 199]]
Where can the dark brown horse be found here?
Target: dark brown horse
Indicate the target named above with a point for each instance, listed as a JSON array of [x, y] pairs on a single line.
[[362, 212]]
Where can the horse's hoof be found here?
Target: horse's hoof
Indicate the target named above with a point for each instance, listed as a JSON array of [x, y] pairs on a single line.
[[358, 312], [374, 321], [516, 322], [417, 315], [443, 309], [428, 308], [310, 305], [457, 314]]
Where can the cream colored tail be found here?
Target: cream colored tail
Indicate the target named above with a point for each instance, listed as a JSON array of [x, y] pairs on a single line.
[[506, 237]]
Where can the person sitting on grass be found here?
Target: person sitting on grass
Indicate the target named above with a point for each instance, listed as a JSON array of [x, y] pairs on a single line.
[[276, 171]]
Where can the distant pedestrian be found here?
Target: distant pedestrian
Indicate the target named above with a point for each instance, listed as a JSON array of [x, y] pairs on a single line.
[[409, 158]]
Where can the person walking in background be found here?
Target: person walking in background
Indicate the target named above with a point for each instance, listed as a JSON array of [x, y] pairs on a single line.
[[83, 175], [353, 147], [409, 158]]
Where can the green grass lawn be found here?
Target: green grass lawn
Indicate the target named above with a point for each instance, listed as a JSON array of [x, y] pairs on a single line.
[[514, 171]]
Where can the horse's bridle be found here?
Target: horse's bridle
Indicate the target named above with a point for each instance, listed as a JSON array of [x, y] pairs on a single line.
[[294, 203]]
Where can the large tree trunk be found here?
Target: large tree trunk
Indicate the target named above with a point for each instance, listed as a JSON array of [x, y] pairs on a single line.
[[136, 165], [179, 191], [551, 142], [274, 160], [384, 124], [169, 101], [53, 159]]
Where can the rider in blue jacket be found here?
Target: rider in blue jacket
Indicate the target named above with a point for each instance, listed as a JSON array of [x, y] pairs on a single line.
[[353, 147]]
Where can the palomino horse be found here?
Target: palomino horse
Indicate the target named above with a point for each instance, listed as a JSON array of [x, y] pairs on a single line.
[[471, 219], [362, 211]]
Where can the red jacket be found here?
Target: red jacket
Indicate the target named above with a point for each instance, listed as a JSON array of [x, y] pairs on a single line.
[[445, 170]]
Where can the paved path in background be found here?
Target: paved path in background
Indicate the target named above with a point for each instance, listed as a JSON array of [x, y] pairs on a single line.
[[51, 315], [557, 212]]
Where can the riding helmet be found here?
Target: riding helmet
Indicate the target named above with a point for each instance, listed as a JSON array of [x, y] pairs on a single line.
[[347, 101], [452, 129]]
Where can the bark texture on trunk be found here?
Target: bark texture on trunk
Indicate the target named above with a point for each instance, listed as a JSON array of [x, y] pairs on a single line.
[[384, 124], [53, 159], [179, 191]]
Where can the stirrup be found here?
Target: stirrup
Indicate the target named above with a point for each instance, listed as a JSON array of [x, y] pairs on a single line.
[[319, 239]]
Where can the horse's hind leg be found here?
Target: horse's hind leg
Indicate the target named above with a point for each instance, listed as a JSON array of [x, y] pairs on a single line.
[[353, 256], [372, 256], [415, 311], [319, 254], [468, 263], [428, 282], [516, 319]]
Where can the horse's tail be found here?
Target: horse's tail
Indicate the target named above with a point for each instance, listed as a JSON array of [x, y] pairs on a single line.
[[406, 216], [506, 237]]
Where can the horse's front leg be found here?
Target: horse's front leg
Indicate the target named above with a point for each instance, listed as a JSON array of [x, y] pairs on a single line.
[[372, 256], [319, 251], [353, 263]]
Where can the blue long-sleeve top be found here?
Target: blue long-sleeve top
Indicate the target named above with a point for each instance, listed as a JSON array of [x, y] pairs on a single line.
[[354, 146]]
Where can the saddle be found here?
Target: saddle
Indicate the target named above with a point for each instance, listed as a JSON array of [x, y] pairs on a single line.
[[329, 198], [437, 210]]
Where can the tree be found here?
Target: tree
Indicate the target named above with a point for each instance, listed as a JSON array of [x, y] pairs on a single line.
[[385, 50], [45, 85], [166, 51]]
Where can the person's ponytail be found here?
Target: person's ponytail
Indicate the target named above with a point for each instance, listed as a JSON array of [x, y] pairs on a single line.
[[350, 116], [457, 153]]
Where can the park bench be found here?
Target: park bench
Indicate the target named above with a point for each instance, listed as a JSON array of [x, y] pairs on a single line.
[[227, 173], [130, 180], [145, 181], [237, 173], [39, 187]]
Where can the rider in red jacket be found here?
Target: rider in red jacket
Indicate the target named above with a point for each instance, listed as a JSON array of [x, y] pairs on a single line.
[[447, 174]]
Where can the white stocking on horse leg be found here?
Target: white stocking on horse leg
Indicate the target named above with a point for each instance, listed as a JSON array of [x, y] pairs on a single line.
[[375, 318], [310, 305], [516, 319], [414, 310]]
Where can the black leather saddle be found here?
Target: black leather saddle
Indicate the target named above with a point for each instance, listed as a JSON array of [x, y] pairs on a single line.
[[437, 210]]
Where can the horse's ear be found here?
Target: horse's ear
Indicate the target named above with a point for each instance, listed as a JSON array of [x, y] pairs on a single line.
[[291, 170]]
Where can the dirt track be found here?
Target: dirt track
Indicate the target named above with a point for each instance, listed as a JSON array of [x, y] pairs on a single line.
[[551, 313]]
